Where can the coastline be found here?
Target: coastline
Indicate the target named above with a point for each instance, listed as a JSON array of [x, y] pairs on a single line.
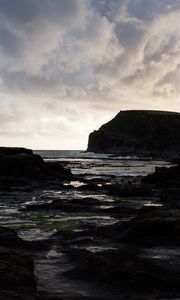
[[67, 225]]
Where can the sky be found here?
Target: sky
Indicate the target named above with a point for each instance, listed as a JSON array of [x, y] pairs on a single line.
[[68, 66]]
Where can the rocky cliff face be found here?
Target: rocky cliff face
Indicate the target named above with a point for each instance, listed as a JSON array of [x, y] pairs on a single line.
[[138, 132]]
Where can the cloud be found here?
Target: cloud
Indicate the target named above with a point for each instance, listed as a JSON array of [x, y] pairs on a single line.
[[68, 66], [150, 37], [159, 52], [33, 28]]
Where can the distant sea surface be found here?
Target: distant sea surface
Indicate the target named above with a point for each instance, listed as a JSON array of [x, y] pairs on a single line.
[[95, 164]]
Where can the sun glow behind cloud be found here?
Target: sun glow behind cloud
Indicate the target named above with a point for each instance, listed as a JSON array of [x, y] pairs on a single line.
[[68, 66]]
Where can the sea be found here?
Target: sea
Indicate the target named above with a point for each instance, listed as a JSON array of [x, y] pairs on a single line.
[[100, 164], [86, 167]]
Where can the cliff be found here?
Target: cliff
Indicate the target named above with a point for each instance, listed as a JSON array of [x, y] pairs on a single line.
[[138, 132]]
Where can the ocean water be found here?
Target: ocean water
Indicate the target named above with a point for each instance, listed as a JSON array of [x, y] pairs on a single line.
[[85, 166], [95, 164]]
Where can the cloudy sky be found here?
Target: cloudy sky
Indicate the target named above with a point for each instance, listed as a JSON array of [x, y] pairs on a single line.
[[68, 66]]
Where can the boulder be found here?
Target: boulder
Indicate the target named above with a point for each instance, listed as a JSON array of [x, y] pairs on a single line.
[[9, 238], [22, 163], [16, 266], [125, 268], [16, 270], [164, 176], [156, 227]]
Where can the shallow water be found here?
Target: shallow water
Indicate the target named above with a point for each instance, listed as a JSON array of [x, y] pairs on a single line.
[[40, 224], [94, 165]]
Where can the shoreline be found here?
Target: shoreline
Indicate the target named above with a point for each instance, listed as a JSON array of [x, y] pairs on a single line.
[[97, 236]]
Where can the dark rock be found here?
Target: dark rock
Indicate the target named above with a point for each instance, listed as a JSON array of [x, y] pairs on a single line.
[[125, 268], [16, 267], [154, 227], [129, 190], [16, 270], [71, 205], [27, 165], [138, 132], [89, 187], [9, 238], [164, 176], [55, 169], [22, 163], [171, 197], [14, 151]]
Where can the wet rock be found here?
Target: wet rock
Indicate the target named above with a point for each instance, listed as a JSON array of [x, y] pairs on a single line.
[[125, 268], [164, 176], [16, 267], [18, 163], [171, 197], [154, 228], [16, 270], [112, 233], [55, 169], [69, 205], [129, 190], [9, 238], [22, 164], [89, 187]]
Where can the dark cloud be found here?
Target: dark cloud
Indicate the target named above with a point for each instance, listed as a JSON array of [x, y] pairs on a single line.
[[27, 11], [129, 35], [10, 43], [145, 10]]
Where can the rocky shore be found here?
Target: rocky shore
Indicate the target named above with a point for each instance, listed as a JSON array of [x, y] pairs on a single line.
[[121, 243], [21, 169]]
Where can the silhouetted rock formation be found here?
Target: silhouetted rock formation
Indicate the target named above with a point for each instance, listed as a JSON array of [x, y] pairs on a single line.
[[165, 177], [21, 162], [14, 151], [138, 132]]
